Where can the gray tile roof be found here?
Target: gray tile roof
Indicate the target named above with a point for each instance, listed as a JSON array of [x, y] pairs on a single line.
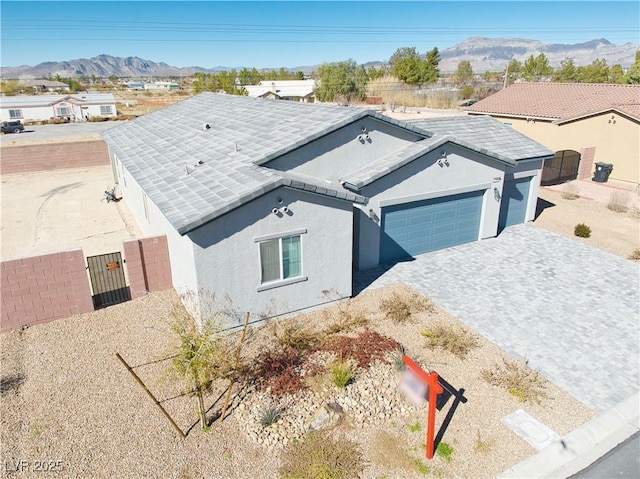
[[488, 136], [195, 173]]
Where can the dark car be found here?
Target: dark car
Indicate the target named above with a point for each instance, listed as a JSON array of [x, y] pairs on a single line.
[[469, 102], [11, 127]]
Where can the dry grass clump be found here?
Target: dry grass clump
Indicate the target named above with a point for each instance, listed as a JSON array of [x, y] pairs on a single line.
[[635, 255], [517, 378], [570, 191], [399, 308], [343, 317], [294, 337], [618, 201], [397, 94], [457, 341], [322, 456], [484, 446]]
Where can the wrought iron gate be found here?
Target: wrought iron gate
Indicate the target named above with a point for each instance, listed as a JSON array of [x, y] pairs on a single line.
[[107, 280], [561, 168]]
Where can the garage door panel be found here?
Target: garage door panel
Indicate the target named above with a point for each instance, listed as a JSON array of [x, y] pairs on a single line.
[[513, 206], [418, 227]]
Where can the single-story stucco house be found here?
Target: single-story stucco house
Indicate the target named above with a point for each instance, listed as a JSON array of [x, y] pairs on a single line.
[[76, 107], [271, 203], [292, 90], [583, 123]]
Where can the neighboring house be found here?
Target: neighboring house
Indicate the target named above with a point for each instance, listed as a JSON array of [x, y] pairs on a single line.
[[40, 86], [583, 123], [293, 90], [78, 107], [161, 85], [270, 203]]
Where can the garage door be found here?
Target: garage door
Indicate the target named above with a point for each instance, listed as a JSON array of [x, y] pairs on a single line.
[[418, 227], [515, 198]]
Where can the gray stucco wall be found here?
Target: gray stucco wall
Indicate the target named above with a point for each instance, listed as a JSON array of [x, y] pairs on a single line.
[[333, 156], [424, 179], [227, 256], [531, 169], [180, 247]]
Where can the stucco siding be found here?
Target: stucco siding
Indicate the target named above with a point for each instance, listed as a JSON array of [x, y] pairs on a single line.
[[615, 143], [334, 156], [423, 179], [227, 252]]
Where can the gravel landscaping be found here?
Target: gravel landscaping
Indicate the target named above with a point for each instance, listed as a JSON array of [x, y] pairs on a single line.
[[66, 397]]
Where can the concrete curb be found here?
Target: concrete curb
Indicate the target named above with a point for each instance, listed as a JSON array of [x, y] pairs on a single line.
[[583, 446]]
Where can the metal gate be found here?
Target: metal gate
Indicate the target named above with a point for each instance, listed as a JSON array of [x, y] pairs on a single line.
[[561, 168], [107, 280]]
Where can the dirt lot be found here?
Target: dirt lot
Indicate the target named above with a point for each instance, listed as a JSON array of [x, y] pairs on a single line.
[[617, 233], [59, 210], [67, 398]]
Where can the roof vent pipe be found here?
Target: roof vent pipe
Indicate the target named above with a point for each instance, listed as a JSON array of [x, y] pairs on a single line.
[[205, 126]]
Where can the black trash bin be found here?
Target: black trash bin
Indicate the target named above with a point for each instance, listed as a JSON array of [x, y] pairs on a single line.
[[603, 170]]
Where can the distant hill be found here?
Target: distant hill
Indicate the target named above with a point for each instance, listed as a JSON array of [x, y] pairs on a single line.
[[485, 54]]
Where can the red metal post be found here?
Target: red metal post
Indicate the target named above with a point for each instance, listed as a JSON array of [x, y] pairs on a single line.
[[434, 390]]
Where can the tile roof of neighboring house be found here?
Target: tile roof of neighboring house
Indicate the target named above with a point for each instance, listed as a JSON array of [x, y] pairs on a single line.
[[46, 100], [560, 101], [200, 158]]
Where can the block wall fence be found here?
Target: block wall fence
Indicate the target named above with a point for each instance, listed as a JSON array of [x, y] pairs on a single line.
[[53, 156], [40, 289]]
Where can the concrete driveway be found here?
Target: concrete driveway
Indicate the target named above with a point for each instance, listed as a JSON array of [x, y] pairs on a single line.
[[573, 311]]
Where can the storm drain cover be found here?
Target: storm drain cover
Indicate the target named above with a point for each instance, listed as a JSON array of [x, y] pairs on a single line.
[[530, 429]]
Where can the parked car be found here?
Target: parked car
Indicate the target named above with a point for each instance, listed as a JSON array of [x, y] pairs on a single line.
[[12, 127], [469, 102]]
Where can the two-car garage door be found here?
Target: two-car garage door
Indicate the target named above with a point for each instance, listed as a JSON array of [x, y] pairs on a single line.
[[418, 227]]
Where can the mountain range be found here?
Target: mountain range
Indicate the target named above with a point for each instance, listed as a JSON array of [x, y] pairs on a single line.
[[485, 54]]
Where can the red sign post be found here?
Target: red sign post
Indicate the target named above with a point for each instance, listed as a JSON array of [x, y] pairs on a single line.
[[433, 389]]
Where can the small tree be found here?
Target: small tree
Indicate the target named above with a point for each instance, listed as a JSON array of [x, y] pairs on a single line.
[[536, 68], [464, 73], [633, 75], [201, 356]]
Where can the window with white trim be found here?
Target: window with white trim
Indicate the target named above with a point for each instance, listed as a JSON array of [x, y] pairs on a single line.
[[281, 258], [15, 114], [105, 109], [63, 111]]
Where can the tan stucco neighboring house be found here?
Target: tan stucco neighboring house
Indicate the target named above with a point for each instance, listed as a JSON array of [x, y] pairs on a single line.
[[293, 90], [583, 123]]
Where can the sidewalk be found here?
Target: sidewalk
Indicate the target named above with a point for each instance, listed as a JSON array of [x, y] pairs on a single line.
[[583, 446]]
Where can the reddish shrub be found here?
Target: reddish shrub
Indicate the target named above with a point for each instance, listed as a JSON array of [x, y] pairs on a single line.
[[367, 347]]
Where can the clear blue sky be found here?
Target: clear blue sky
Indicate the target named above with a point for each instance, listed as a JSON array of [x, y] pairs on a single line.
[[273, 34]]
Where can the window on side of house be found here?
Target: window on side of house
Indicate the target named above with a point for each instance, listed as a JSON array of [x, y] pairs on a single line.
[[105, 109], [281, 258], [15, 114], [63, 111]]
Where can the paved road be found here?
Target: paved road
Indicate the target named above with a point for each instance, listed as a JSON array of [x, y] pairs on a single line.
[[622, 462], [572, 310], [47, 133]]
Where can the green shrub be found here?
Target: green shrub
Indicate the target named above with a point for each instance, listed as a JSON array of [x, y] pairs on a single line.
[[342, 373], [467, 92], [445, 451], [581, 230], [270, 416], [321, 456]]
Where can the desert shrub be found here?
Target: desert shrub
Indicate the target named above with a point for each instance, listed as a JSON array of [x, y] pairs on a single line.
[[466, 92], [457, 341], [518, 379], [399, 308], [635, 255], [582, 230], [364, 349], [278, 371], [570, 191], [322, 456], [293, 337], [342, 317], [618, 201], [341, 372], [95, 119], [270, 415]]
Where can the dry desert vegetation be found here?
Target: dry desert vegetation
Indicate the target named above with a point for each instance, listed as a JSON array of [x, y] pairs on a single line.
[[67, 399]]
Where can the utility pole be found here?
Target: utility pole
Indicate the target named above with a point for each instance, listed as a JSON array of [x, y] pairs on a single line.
[[506, 78]]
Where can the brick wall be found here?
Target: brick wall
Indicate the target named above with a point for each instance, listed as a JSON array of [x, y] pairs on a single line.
[[43, 288], [148, 265], [585, 168], [53, 156]]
